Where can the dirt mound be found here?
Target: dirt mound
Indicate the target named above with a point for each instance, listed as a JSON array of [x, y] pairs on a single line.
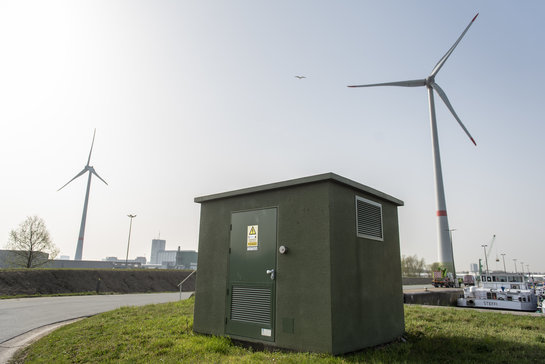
[[51, 281]]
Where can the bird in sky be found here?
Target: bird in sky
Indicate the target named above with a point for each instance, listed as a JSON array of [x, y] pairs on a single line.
[[300, 77]]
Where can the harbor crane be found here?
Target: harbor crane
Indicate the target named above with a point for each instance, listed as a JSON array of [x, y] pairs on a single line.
[[490, 245]]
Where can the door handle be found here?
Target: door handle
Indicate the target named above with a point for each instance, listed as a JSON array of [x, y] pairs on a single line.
[[271, 272]]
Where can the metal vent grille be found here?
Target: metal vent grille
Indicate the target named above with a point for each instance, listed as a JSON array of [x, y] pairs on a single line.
[[368, 219], [249, 304]]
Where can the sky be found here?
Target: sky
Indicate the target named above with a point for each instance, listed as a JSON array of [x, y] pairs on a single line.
[[191, 98]]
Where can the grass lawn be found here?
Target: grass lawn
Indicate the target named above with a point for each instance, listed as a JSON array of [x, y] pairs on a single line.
[[163, 334]]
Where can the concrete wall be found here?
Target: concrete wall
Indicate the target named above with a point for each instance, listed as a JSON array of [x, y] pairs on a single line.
[[445, 297], [366, 276]]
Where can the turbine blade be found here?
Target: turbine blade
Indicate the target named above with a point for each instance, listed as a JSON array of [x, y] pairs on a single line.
[[96, 174], [91, 151], [409, 83], [77, 175], [444, 97], [449, 52]]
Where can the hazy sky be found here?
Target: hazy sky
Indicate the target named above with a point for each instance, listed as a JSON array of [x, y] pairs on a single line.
[[191, 98]]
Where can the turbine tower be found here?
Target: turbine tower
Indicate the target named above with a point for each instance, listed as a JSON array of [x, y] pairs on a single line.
[[91, 170], [445, 254]]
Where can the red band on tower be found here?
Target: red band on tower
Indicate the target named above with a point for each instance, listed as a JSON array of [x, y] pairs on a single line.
[[441, 213]]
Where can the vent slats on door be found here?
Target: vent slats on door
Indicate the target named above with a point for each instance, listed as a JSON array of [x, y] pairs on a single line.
[[368, 219], [249, 304]]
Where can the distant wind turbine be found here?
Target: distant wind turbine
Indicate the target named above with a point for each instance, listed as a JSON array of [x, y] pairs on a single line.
[[91, 170], [445, 254]]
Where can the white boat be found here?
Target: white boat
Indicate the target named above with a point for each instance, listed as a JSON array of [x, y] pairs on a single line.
[[503, 291]]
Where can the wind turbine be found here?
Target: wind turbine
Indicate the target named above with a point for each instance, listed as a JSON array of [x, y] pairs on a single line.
[[91, 170], [445, 255]]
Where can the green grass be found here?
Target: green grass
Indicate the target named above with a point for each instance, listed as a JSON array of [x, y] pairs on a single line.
[[163, 334]]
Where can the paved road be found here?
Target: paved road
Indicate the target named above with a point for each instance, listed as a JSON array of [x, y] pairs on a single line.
[[18, 316]]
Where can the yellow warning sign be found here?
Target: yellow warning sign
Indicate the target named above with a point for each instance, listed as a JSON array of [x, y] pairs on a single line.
[[252, 242]]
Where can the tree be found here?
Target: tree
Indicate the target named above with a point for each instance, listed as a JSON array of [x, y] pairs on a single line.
[[411, 266], [30, 244], [436, 267]]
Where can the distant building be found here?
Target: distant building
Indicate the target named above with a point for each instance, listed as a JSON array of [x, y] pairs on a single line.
[[79, 264], [141, 260], [11, 259], [171, 259], [474, 267], [186, 259], [64, 257], [157, 245], [108, 263], [166, 257]]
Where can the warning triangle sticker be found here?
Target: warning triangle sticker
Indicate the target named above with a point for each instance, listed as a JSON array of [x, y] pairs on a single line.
[[252, 231]]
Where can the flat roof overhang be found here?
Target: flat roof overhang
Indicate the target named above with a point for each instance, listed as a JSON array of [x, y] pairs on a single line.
[[301, 181]]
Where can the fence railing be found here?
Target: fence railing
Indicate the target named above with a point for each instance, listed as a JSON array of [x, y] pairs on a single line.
[[182, 282]]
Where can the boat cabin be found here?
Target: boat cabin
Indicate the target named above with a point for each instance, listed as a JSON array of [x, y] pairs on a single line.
[[504, 281]]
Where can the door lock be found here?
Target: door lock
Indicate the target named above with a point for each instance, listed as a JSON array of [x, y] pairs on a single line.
[[271, 272]]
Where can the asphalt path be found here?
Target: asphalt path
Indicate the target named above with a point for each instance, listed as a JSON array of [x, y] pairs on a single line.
[[19, 316]]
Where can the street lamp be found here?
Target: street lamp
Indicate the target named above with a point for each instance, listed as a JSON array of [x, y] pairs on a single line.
[[503, 257], [485, 257], [522, 266], [129, 241], [515, 260]]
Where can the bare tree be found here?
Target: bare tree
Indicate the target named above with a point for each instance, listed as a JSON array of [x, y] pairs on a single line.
[[30, 244], [411, 266]]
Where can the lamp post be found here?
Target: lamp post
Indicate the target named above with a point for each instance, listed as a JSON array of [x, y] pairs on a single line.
[[503, 257], [515, 260], [129, 241], [522, 266], [485, 257]]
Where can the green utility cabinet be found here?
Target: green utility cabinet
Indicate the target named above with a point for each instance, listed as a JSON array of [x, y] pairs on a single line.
[[311, 264]]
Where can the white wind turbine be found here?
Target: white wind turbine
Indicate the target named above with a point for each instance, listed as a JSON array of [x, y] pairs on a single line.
[[91, 170], [445, 254]]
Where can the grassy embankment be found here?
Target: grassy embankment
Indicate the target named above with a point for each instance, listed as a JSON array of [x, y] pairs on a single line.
[[163, 334]]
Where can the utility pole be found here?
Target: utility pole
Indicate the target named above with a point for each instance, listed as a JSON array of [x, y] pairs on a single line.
[[485, 257], [503, 257], [129, 241], [515, 260]]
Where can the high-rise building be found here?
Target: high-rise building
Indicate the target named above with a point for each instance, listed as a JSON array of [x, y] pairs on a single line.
[[157, 245]]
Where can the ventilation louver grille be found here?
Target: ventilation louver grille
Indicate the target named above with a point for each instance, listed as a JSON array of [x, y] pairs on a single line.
[[252, 305], [368, 219]]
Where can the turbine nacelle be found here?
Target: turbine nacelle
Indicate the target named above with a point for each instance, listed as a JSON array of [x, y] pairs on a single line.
[[87, 167], [429, 81]]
